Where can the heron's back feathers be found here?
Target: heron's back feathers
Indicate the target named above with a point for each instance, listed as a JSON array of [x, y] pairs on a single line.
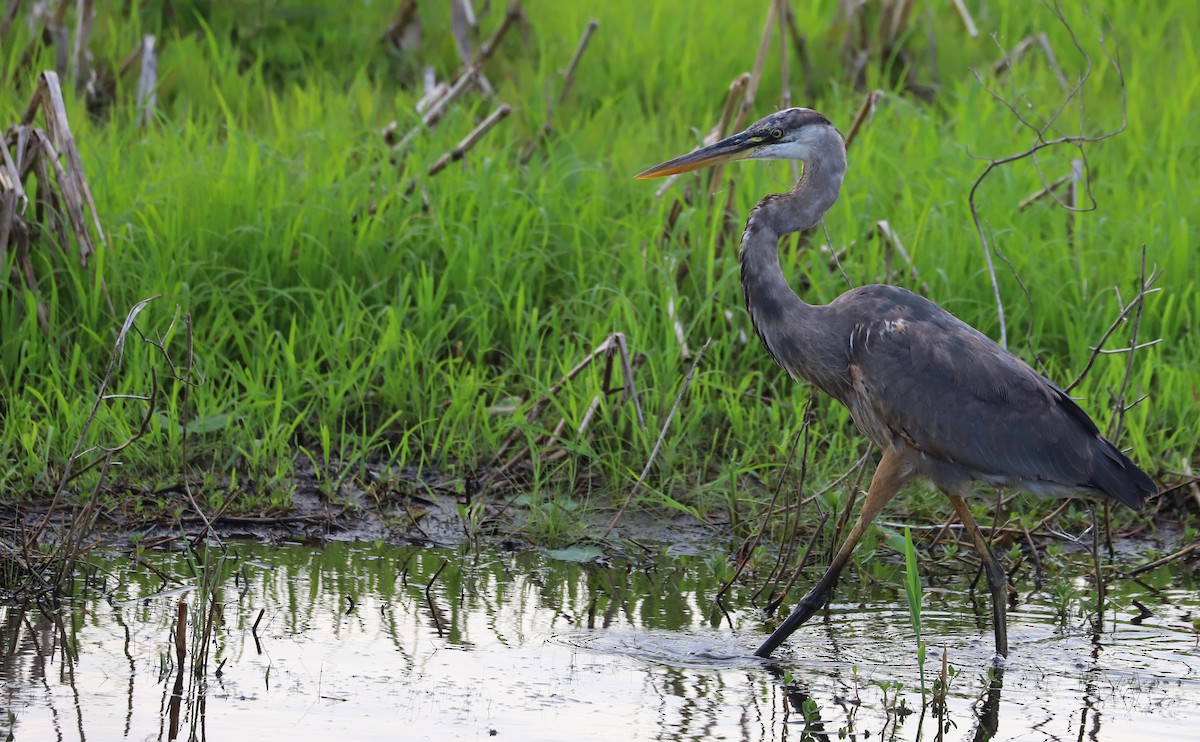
[[966, 408]]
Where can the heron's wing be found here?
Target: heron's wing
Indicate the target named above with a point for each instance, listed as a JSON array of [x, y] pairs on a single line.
[[949, 391]]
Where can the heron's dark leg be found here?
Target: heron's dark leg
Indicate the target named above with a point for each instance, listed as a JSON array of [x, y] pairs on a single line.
[[997, 580], [890, 475]]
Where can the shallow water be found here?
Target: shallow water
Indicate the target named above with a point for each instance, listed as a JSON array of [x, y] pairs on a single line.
[[522, 646]]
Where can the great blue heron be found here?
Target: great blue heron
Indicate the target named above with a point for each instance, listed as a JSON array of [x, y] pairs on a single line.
[[938, 397]]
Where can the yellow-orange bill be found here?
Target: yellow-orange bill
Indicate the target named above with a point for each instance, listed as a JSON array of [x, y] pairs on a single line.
[[683, 164], [733, 148]]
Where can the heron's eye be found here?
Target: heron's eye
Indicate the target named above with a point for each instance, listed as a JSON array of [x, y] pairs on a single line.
[[777, 133]]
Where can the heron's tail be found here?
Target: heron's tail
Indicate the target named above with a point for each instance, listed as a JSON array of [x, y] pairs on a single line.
[[1118, 477]]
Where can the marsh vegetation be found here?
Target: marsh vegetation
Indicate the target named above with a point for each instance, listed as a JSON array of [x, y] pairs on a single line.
[[381, 270]]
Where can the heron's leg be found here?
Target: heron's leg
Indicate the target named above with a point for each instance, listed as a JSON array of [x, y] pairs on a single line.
[[997, 580], [890, 476]]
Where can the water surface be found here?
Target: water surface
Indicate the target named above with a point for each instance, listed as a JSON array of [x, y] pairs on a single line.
[[362, 642]]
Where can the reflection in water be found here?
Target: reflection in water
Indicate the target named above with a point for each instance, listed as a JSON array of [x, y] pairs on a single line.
[[385, 643]]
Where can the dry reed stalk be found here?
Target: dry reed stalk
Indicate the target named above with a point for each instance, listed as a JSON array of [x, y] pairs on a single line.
[[891, 246], [965, 15], [866, 113], [470, 140], [80, 71], [49, 153], [568, 80]]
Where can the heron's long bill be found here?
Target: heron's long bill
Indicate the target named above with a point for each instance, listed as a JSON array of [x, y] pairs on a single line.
[[731, 148]]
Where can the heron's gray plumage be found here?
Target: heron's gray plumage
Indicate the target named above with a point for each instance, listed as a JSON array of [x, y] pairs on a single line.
[[956, 405], [940, 399]]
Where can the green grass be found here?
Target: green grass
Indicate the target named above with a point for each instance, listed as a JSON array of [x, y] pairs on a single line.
[[329, 334]]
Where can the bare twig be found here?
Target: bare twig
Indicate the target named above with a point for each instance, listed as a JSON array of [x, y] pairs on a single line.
[[1118, 399], [1144, 289], [1041, 143], [1185, 551]]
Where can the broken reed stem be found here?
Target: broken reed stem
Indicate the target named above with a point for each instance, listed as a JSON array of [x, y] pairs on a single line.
[[800, 565], [687, 380], [785, 91], [53, 32], [488, 48], [1048, 190], [760, 61], [83, 31], [865, 112], [568, 80], [790, 529], [147, 89], [405, 15], [181, 634], [470, 140], [254, 629], [1041, 41], [10, 13], [800, 44], [968, 21], [750, 91], [437, 109], [892, 244], [462, 22], [1097, 570], [569, 75]]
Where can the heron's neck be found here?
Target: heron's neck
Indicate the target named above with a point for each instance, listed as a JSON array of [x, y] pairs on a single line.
[[786, 323]]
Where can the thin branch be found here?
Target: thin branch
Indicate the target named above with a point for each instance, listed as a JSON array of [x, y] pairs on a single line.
[[1040, 143], [1144, 290], [114, 358]]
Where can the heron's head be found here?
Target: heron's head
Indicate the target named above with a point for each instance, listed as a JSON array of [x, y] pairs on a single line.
[[791, 134]]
